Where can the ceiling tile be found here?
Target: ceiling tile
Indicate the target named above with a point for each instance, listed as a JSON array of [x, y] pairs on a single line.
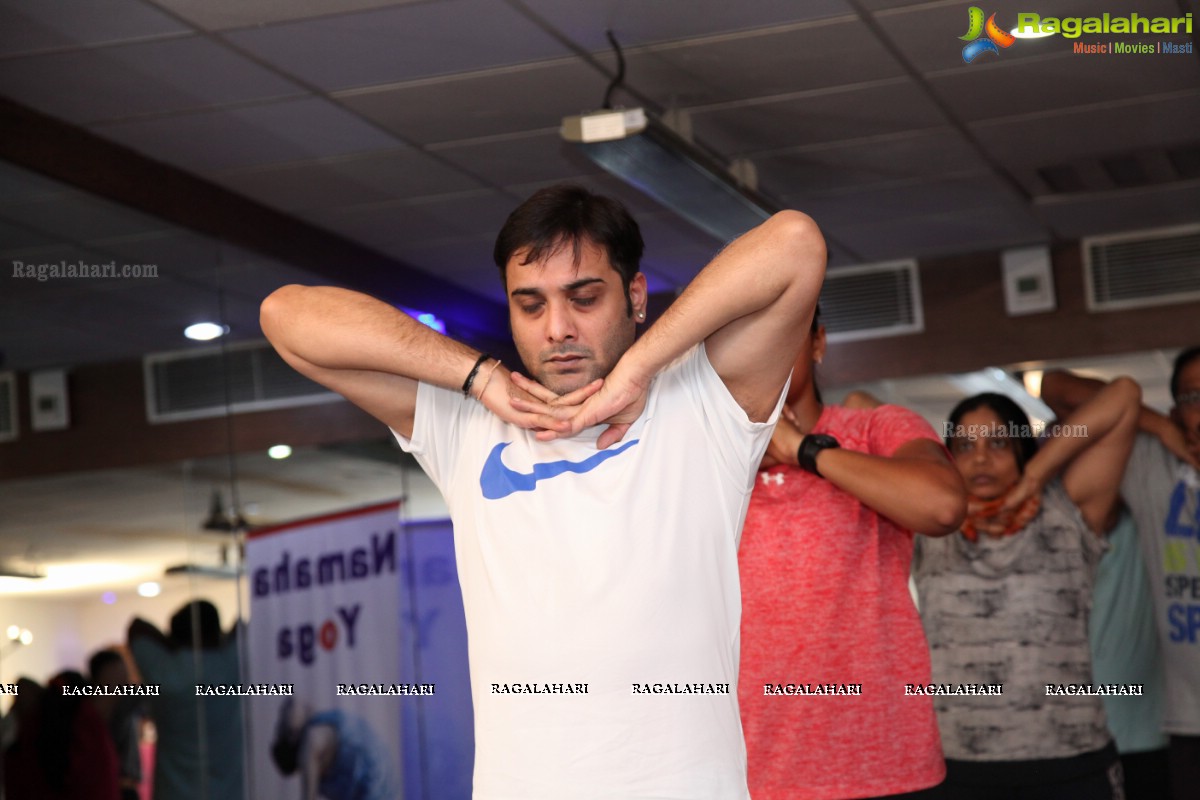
[[466, 262], [585, 21], [32, 27], [929, 208], [249, 278], [19, 185], [885, 238], [1128, 210], [355, 180], [760, 64], [291, 130], [636, 201], [175, 252], [218, 14], [1050, 138], [138, 79], [401, 43], [520, 159], [834, 168], [675, 252], [17, 238], [80, 218], [1019, 87], [396, 228], [883, 107], [492, 103]]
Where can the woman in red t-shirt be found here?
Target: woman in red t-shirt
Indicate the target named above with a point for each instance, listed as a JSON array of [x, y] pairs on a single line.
[[830, 635]]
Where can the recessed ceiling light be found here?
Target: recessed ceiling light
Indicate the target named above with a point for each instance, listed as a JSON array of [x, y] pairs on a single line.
[[205, 331], [149, 589], [279, 451]]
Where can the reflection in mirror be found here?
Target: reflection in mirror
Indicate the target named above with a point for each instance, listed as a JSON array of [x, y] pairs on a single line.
[[127, 486]]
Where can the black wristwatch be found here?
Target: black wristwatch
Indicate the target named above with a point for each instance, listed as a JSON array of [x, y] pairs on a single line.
[[810, 445]]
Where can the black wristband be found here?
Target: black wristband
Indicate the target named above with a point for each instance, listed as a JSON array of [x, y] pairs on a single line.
[[466, 388], [810, 445]]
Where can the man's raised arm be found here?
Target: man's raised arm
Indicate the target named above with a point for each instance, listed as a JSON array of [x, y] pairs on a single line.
[[373, 354], [750, 306]]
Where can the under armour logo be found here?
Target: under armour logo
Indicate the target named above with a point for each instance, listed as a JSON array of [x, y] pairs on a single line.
[[769, 477]]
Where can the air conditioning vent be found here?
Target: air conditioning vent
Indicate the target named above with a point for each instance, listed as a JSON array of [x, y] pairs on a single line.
[[194, 384], [1144, 268], [872, 301], [8, 406]]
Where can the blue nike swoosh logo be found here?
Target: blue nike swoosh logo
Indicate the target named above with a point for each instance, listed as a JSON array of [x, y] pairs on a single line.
[[497, 480]]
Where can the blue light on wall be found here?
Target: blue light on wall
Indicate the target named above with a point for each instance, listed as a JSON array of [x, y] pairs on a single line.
[[425, 318]]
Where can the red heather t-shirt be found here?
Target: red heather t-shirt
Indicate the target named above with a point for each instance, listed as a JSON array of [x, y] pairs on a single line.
[[825, 601]]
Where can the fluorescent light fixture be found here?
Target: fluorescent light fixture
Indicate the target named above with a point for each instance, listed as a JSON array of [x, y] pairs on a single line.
[[279, 451], [205, 331], [225, 571], [679, 174], [149, 589], [10, 571], [77, 577]]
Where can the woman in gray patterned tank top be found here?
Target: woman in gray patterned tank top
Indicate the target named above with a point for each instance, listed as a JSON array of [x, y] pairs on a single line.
[[1005, 601]]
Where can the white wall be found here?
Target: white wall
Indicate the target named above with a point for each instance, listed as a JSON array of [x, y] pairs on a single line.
[[56, 638]]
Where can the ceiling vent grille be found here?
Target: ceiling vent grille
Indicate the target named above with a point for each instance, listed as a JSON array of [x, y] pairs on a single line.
[[8, 406], [251, 376], [872, 301], [1144, 268]]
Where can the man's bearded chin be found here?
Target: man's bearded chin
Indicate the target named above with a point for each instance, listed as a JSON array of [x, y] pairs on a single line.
[[564, 384]]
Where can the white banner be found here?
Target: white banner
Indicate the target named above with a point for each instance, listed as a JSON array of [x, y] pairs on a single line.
[[326, 619]]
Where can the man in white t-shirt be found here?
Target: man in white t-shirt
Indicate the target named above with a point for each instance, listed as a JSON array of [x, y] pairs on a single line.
[[597, 503]]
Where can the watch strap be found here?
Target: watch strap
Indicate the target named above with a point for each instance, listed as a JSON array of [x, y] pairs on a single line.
[[810, 445]]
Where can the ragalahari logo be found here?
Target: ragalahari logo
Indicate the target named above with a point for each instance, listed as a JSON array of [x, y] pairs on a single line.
[[983, 38]]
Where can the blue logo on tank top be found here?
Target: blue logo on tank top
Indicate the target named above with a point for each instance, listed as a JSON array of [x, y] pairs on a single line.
[[497, 480]]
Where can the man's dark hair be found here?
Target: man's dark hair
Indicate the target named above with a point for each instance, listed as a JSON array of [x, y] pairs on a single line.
[[1012, 418], [101, 659], [1182, 361], [564, 214], [184, 629]]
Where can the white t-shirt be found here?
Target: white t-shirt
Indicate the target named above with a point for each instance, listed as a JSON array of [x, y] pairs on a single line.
[[601, 591]]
